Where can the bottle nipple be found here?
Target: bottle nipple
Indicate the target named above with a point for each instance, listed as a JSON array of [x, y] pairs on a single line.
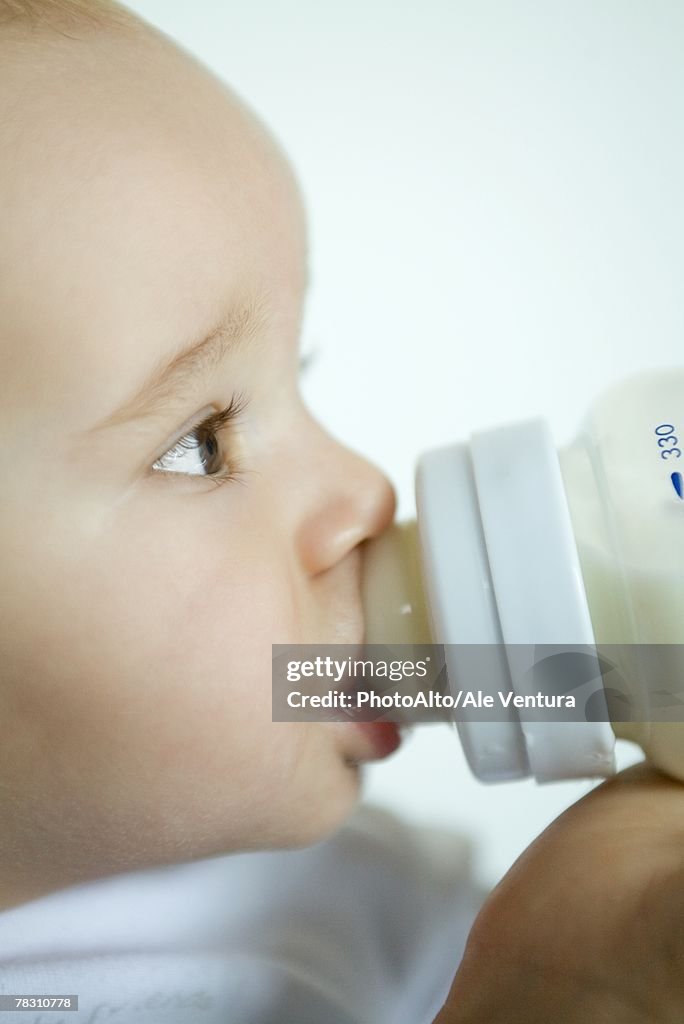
[[395, 609]]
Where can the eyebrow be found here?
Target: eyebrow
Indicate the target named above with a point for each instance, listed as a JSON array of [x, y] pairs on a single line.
[[170, 378]]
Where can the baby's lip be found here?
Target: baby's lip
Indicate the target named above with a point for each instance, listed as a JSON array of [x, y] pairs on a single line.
[[347, 682], [382, 737], [362, 715]]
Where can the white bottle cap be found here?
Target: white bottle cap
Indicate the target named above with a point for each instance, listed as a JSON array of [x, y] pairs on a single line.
[[501, 568]]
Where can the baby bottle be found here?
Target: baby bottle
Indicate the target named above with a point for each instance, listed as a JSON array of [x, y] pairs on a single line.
[[516, 543]]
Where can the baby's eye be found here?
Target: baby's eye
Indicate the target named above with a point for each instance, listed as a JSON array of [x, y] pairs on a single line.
[[196, 453], [199, 452]]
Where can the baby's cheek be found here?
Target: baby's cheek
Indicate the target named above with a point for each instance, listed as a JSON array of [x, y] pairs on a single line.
[[142, 673]]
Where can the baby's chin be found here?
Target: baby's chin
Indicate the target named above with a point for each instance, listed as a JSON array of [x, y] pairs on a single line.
[[322, 825], [315, 812]]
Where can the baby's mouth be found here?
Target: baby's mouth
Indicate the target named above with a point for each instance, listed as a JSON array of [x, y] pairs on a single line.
[[383, 739]]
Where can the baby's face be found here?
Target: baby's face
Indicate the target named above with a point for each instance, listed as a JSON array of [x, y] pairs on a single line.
[[149, 560]]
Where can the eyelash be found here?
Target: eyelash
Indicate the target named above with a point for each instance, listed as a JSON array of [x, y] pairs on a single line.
[[218, 421], [198, 436]]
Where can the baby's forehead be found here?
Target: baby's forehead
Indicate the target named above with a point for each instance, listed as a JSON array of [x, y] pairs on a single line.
[[138, 192], [72, 107]]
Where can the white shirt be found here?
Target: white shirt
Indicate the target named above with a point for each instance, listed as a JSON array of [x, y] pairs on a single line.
[[365, 928]]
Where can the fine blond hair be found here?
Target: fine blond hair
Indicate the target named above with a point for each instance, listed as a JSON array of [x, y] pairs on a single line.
[[61, 14]]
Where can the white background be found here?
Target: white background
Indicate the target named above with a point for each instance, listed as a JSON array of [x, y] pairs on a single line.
[[494, 199]]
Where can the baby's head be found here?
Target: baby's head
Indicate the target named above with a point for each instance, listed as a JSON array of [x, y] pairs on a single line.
[[170, 508]]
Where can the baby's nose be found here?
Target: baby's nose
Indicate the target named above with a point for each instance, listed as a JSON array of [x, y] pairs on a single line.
[[352, 502]]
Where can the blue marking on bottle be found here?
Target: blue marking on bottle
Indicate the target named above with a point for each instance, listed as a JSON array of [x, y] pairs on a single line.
[[677, 483]]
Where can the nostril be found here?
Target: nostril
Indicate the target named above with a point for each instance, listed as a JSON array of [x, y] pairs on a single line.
[[327, 536]]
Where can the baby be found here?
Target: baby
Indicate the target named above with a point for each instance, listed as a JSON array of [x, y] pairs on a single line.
[[170, 510]]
